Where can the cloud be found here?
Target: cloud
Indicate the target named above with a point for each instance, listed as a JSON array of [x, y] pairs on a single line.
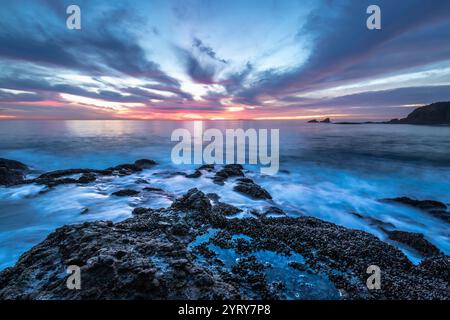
[[345, 50]]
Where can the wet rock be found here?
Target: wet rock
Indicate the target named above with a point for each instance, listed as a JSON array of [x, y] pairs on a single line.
[[273, 210], [125, 193], [195, 200], [141, 181], [150, 264], [144, 163], [196, 174], [226, 209], [415, 241], [432, 207], [251, 189], [11, 172], [375, 222], [153, 189], [344, 255], [228, 171], [420, 204], [147, 257], [87, 178], [437, 266], [207, 167], [214, 197]]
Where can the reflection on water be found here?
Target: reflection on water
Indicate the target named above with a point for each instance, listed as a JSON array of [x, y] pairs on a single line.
[[328, 171]]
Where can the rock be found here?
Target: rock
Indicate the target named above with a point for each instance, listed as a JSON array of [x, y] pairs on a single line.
[[147, 257], [144, 163], [344, 255], [229, 170], [87, 178], [432, 207], [11, 172], [226, 209], [437, 266], [207, 167], [420, 204], [249, 188], [194, 200], [196, 174], [126, 193], [214, 197], [153, 189], [415, 241], [326, 120], [151, 264], [433, 114], [374, 222], [273, 210], [141, 181]]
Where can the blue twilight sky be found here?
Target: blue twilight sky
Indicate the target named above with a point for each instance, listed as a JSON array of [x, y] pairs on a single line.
[[222, 59]]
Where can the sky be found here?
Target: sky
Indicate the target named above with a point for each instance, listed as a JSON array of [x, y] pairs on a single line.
[[222, 59]]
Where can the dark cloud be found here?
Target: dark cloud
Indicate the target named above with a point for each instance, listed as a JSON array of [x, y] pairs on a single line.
[[100, 48], [207, 50], [346, 50], [394, 98]]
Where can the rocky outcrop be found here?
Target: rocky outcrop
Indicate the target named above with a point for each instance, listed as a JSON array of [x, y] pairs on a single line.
[[228, 171], [125, 193], [149, 256], [435, 208], [249, 188], [415, 241], [11, 172], [326, 120], [433, 114]]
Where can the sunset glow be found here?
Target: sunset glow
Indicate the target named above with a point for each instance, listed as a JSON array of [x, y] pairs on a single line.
[[184, 61]]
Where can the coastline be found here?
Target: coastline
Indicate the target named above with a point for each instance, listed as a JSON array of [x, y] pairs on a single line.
[[183, 251]]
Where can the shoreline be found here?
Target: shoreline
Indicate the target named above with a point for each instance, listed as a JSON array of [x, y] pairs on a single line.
[[179, 266]]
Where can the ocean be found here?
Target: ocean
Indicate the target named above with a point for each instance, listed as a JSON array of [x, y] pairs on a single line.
[[328, 171]]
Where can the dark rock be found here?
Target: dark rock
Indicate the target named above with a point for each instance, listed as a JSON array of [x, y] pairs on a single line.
[[153, 189], [433, 114], [126, 193], [375, 222], [313, 121], [141, 181], [326, 120], [226, 209], [437, 266], [339, 251], [228, 171], [196, 174], [415, 241], [213, 197], [420, 204], [144, 163], [12, 172], [195, 200], [87, 178], [147, 257], [432, 207], [273, 210], [207, 167], [251, 189]]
